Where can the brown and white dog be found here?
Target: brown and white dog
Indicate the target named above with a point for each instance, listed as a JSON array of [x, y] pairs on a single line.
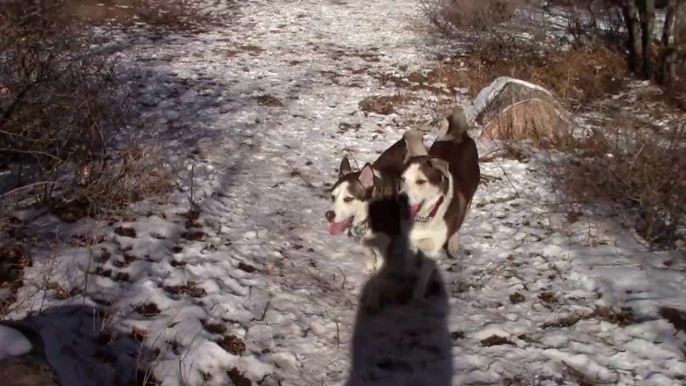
[[439, 186], [352, 194]]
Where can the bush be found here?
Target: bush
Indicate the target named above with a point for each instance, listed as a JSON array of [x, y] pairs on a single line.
[[623, 164], [633, 169], [457, 17], [65, 102]]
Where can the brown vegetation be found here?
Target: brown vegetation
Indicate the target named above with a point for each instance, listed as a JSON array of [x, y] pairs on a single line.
[[634, 169], [458, 16], [166, 13], [577, 77], [625, 162], [63, 113], [383, 105]]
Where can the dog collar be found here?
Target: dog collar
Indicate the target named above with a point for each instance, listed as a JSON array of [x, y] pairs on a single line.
[[432, 214], [359, 230]]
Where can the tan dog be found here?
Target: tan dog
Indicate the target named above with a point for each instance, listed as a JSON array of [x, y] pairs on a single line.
[[439, 186]]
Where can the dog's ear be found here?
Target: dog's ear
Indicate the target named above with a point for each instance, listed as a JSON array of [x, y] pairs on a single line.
[[441, 165], [344, 168], [367, 176]]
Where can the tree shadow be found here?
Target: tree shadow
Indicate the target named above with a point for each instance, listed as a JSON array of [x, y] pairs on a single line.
[[397, 341]]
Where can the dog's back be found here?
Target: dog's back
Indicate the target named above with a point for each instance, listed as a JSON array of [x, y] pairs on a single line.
[[392, 159], [457, 148]]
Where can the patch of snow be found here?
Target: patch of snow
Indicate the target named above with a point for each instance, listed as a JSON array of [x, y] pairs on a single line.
[[13, 343]]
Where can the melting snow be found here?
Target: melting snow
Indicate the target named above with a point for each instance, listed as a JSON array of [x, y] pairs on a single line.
[[13, 343]]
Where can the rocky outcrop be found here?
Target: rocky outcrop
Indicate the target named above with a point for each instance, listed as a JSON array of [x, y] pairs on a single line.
[[512, 109]]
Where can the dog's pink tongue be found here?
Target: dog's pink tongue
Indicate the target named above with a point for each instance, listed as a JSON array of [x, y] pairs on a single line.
[[338, 227], [414, 210]]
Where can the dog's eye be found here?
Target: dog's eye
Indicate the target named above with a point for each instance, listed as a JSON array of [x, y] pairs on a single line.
[[421, 182], [348, 199]]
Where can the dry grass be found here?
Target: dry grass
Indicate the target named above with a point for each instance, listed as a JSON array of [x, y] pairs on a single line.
[[457, 17], [536, 121], [383, 105], [577, 77], [174, 14]]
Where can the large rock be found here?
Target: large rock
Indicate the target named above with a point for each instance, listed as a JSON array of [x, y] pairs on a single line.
[[512, 109]]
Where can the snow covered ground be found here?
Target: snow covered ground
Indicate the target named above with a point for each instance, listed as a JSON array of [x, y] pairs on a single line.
[[248, 287]]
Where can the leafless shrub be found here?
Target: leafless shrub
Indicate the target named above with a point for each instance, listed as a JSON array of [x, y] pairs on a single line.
[[65, 106], [523, 48], [456, 17], [623, 165], [593, 24], [628, 168]]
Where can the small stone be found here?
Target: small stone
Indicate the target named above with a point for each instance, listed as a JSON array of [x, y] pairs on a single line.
[[189, 96], [172, 115], [148, 100]]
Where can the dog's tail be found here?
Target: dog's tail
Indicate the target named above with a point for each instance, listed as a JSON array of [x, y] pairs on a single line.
[[454, 127], [414, 140]]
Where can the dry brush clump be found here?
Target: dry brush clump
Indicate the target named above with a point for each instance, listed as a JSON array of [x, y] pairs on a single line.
[[629, 168], [577, 77], [462, 17], [505, 42], [65, 111]]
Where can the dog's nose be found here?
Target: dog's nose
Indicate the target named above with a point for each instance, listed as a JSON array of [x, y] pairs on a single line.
[[330, 215]]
